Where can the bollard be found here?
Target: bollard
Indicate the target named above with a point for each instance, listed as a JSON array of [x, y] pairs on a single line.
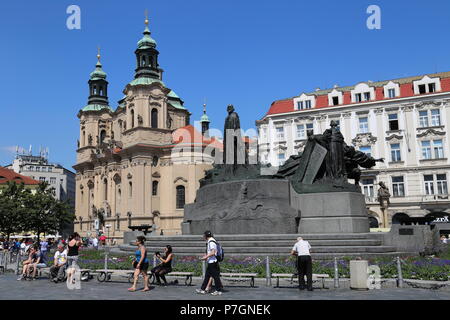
[[399, 271], [336, 273], [268, 273], [204, 268], [106, 260]]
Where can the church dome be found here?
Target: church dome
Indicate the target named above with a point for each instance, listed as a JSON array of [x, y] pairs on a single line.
[[98, 73], [146, 41]]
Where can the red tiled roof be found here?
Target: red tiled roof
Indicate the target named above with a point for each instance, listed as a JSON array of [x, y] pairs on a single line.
[[9, 175], [190, 135], [405, 84]]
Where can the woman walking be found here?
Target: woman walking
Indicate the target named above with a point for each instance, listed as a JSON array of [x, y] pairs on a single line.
[[72, 256], [165, 267], [140, 264]]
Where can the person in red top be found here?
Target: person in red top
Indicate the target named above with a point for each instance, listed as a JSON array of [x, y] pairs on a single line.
[[103, 240]]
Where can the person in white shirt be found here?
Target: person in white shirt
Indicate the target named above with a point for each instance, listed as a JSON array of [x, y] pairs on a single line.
[[95, 243], [304, 263], [212, 269], [59, 264]]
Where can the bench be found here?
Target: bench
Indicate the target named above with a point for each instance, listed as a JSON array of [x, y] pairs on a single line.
[[85, 273], [105, 275], [294, 278], [240, 277], [188, 276]]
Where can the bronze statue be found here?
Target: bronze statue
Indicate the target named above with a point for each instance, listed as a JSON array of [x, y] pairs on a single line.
[[231, 130]]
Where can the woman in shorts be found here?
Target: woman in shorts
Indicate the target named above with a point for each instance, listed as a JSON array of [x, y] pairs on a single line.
[[140, 264]]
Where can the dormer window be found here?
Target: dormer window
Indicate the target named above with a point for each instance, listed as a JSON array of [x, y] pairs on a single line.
[[427, 85], [335, 101], [362, 92], [335, 98], [304, 102], [391, 93]]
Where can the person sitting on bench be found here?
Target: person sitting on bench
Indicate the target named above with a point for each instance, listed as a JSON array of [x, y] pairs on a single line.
[[28, 263], [165, 267], [59, 264]]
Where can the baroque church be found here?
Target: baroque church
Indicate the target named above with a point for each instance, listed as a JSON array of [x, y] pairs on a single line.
[[132, 166]]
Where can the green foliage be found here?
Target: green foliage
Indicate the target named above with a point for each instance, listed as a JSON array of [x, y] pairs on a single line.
[[39, 212]]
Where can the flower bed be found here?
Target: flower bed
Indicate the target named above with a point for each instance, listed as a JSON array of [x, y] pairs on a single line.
[[421, 268]]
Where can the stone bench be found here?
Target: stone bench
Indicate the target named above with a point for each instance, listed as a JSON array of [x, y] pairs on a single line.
[[294, 278], [231, 276], [85, 273]]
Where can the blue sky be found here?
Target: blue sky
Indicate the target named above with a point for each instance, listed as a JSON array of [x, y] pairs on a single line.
[[248, 53]]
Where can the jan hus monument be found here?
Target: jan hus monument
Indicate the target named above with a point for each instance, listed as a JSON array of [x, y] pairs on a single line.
[[310, 193]]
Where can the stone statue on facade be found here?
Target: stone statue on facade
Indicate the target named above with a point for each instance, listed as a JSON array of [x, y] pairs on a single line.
[[90, 139], [140, 120], [169, 121], [383, 195]]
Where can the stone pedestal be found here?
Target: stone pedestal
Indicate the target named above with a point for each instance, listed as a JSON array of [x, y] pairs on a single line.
[[358, 274], [331, 212], [256, 206]]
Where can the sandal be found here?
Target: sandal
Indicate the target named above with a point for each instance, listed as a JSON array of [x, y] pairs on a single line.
[[131, 289], [144, 290]]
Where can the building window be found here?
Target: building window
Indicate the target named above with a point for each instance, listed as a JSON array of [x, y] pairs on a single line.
[[391, 93], [363, 125], [395, 152], [132, 118], [367, 150], [105, 189], [368, 187], [441, 182], [335, 101], [393, 121], [300, 105], [423, 119], [435, 184], [102, 136], [308, 104], [130, 189], [154, 119], [52, 180], [435, 117], [431, 87], [49, 169], [280, 133], [358, 97], [154, 188], [281, 158], [41, 179], [302, 128], [366, 96], [432, 149], [38, 169], [180, 197], [422, 89], [398, 186], [31, 168]]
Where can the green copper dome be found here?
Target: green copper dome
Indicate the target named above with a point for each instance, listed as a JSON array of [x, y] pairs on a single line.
[[96, 107], [173, 95], [204, 118], [98, 73], [146, 41], [144, 81]]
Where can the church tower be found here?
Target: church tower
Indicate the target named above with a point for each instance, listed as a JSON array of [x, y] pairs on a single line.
[[147, 65], [204, 120], [98, 86]]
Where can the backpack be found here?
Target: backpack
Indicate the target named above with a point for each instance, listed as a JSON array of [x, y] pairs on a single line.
[[219, 254]]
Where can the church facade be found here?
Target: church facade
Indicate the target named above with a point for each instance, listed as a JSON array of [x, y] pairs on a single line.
[[128, 170]]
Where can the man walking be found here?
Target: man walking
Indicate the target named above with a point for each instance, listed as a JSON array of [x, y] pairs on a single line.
[[212, 269], [304, 263]]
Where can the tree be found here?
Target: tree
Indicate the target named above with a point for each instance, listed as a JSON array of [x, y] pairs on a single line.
[[12, 211], [45, 214]]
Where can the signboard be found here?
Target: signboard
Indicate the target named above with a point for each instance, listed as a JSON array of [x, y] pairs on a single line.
[[441, 220]]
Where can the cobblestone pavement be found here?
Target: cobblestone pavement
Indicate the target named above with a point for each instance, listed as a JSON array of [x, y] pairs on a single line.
[[43, 289]]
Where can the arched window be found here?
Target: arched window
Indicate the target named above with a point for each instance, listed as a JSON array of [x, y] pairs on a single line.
[[181, 198], [100, 92], [130, 189], [373, 222], [143, 61], [154, 188], [105, 189], [84, 139], [132, 118], [154, 118], [102, 136], [95, 90]]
